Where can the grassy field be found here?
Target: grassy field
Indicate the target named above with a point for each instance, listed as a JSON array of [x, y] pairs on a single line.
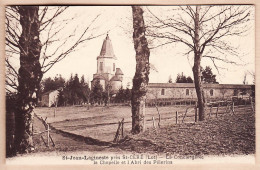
[[101, 123], [222, 134]]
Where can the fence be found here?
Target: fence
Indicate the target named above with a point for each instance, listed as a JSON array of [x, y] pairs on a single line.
[[120, 131], [192, 101], [47, 130]]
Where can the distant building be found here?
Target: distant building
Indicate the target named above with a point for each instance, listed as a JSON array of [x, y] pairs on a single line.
[[110, 76], [49, 98], [107, 72], [175, 91]]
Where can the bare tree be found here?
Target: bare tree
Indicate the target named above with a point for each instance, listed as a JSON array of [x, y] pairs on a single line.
[[244, 80], [141, 79], [252, 73], [30, 31], [205, 31], [59, 36], [155, 93]]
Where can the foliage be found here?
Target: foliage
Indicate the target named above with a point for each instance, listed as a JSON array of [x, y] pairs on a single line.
[[49, 84], [170, 79], [123, 95], [181, 78], [71, 92], [208, 76], [97, 93]]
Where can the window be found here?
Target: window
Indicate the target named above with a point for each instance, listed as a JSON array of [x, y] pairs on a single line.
[[187, 92], [114, 67], [211, 92], [101, 66], [163, 92]]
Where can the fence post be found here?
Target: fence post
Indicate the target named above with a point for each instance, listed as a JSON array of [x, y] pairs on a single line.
[[227, 108], [233, 109], [43, 141], [117, 132], [54, 111], [48, 135], [53, 144], [210, 110], [196, 112], [154, 123], [252, 104], [122, 127], [176, 117], [217, 111]]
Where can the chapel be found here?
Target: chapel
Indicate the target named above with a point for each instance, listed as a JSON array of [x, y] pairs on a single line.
[[107, 73]]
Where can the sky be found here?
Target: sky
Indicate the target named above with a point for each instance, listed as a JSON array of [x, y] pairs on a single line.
[[168, 60]]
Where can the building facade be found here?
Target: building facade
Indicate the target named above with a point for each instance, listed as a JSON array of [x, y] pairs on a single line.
[[186, 91], [107, 73], [49, 99]]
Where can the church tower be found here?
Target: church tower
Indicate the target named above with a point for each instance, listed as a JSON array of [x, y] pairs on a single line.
[[106, 66]]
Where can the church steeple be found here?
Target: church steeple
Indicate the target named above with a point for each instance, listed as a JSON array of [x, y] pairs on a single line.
[[107, 49], [107, 72]]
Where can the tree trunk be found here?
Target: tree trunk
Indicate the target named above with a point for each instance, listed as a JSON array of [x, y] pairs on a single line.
[[30, 75], [197, 67], [141, 79]]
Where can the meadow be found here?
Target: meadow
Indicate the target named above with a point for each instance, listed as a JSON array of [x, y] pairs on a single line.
[[101, 123]]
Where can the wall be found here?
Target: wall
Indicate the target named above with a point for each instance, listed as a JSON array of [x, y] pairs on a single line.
[[53, 97], [107, 65], [178, 91], [116, 85], [45, 100]]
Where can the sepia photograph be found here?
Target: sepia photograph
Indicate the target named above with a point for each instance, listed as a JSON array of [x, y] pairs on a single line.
[[129, 84]]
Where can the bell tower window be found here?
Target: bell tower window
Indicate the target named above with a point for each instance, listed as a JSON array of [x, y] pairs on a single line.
[[101, 66], [114, 67]]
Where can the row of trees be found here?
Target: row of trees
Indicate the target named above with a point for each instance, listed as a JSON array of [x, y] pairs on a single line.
[[207, 76], [75, 91]]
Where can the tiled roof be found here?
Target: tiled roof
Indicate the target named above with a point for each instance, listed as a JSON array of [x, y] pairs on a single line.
[[119, 72], [107, 49]]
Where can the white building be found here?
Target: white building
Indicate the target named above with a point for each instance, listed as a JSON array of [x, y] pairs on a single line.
[[49, 98], [107, 72]]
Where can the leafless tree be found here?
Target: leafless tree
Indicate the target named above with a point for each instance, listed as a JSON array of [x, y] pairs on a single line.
[[33, 38], [244, 80], [141, 77], [155, 96], [205, 31], [59, 36], [252, 73]]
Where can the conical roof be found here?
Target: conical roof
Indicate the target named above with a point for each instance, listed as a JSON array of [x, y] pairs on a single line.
[[119, 72], [107, 49]]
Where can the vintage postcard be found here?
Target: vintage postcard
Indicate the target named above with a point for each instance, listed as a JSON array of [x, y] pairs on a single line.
[[130, 85]]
